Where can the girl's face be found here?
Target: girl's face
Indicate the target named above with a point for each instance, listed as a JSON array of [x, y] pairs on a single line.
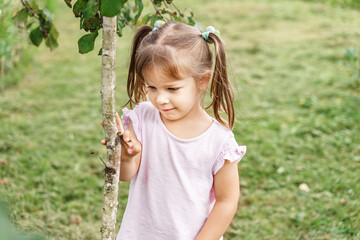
[[175, 99]]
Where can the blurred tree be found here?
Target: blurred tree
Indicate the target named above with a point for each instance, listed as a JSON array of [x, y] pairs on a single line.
[[11, 41]]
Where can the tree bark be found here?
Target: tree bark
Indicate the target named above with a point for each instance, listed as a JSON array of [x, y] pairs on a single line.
[[112, 168]]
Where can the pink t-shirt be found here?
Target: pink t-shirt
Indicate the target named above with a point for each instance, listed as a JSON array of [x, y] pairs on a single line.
[[172, 194]]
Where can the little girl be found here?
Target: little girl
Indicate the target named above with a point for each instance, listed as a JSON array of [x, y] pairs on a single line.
[[182, 163]]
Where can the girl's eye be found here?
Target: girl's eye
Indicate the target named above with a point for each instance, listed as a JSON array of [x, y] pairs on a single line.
[[151, 87], [173, 89]]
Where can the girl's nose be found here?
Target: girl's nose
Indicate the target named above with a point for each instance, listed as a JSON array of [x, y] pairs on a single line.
[[162, 99]]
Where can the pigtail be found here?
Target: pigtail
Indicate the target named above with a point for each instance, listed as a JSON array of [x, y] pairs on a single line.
[[221, 90], [133, 86]]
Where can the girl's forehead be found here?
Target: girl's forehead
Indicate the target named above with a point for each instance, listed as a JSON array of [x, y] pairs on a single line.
[[156, 76], [163, 81]]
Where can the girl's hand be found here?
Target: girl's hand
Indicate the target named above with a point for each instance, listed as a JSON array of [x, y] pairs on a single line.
[[128, 141]]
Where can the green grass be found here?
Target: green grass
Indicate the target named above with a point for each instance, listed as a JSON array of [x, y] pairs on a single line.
[[297, 109]]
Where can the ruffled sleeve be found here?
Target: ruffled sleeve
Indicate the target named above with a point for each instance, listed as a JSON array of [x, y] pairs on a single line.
[[132, 116], [230, 151]]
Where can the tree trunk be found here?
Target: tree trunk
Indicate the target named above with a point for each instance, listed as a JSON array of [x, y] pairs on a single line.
[[112, 168]]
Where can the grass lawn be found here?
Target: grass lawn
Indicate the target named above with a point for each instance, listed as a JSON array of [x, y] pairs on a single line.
[[297, 107]]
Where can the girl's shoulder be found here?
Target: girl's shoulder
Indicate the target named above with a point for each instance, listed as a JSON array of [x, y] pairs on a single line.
[[221, 130], [225, 138], [218, 135], [228, 148]]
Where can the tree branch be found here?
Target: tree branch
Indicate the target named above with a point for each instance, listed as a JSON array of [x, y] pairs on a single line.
[[168, 10], [156, 9], [25, 3], [177, 9]]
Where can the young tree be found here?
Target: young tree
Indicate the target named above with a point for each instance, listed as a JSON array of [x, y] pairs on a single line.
[[111, 16]]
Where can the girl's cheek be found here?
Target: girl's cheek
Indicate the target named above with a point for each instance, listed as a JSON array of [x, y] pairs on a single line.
[[151, 97]]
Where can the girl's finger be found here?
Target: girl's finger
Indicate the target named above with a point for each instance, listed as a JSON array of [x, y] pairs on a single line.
[[103, 142], [126, 139], [102, 123], [119, 123], [130, 150], [136, 147]]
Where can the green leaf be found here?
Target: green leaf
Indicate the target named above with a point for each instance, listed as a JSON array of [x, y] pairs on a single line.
[[90, 10], [20, 19], [28, 26], [34, 7], [145, 19], [190, 11], [86, 42], [126, 14], [51, 42], [100, 52], [51, 39], [79, 7], [54, 31], [178, 19], [191, 21], [68, 3], [111, 8], [140, 7], [158, 2], [120, 25], [36, 36], [45, 25], [45, 21], [47, 14], [91, 24]]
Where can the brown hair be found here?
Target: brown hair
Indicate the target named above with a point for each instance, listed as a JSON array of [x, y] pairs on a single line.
[[179, 49]]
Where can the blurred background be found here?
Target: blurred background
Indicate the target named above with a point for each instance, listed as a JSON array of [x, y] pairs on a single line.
[[295, 68]]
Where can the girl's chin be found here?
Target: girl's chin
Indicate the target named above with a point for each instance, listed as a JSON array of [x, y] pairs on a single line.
[[169, 116]]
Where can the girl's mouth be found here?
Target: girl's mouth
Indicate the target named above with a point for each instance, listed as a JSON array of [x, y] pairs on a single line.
[[166, 110]]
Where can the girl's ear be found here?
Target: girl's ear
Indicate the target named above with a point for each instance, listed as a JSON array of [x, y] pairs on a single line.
[[204, 81]]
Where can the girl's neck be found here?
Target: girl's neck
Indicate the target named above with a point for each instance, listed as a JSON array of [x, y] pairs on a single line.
[[190, 126]]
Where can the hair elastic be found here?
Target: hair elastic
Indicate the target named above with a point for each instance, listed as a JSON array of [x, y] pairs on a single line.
[[158, 24], [210, 29]]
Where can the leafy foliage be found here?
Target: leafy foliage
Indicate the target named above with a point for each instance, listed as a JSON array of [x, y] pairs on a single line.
[[36, 36], [68, 3], [13, 52], [110, 8], [44, 28], [128, 13], [91, 12], [86, 42]]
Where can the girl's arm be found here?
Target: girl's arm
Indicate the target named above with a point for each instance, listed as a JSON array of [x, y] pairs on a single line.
[[227, 193]]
